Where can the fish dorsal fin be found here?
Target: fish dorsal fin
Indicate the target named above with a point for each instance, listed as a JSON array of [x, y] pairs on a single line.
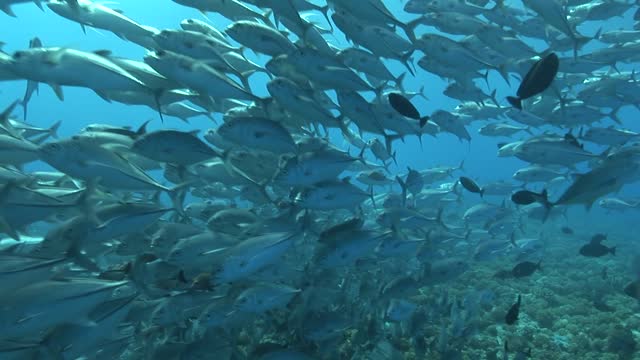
[[35, 43], [143, 128]]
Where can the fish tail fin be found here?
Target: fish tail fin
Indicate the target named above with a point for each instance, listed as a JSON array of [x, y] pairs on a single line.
[[545, 200], [493, 98], [409, 28], [614, 115], [504, 72], [244, 79], [389, 139], [485, 76], [516, 102], [579, 41], [53, 130], [405, 59], [4, 116]]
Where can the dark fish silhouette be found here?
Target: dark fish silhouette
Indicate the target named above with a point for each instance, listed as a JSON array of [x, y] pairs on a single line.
[[526, 197], [471, 185], [537, 79], [404, 107], [595, 248], [514, 311], [525, 268]]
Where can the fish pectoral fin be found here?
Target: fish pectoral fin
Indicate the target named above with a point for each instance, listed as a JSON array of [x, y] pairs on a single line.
[[57, 89]]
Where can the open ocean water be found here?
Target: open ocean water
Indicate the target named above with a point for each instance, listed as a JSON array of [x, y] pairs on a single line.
[[284, 239]]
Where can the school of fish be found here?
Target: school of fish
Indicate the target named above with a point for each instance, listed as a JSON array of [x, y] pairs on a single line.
[[262, 237]]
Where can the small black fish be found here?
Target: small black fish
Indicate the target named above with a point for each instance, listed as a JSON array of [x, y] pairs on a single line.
[[514, 311], [596, 249], [633, 290], [525, 268], [526, 197], [404, 107], [567, 230], [471, 185], [537, 80]]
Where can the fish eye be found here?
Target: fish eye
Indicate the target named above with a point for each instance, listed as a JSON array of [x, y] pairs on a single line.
[[190, 21], [161, 52], [18, 54]]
